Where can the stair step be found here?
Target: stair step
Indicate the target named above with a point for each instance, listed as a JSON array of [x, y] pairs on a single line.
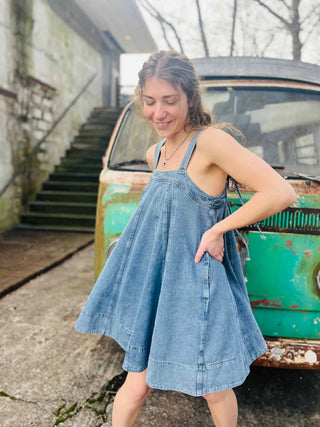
[[63, 207], [100, 119], [67, 196], [108, 109], [96, 146], [113, 112], [81, 162], [97, 125], [37, 218], [96, 132], [96, 151], [56, 228], [78, 152], [106, 120], [78, 176], [93, 159], [74, 168], [71, 186], [92, 139]]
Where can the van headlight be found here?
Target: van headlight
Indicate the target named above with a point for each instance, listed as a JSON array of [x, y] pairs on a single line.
[[111, 247]]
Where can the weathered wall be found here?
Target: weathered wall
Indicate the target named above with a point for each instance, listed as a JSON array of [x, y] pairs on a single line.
[[45, 65]]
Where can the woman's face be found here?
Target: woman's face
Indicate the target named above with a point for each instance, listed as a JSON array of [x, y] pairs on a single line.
[[165, 107]]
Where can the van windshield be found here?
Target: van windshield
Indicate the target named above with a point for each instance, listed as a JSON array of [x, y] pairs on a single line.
[[281, 126], [132, 141]]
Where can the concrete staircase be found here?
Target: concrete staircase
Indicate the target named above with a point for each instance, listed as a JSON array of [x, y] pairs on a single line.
[[67, 201]]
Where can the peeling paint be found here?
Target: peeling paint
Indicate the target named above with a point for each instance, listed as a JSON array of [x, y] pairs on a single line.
[[311, 356], [266, 303], [308, 253], [288, 353], [110, 176], [276, 353], [112, 189], [289, 246]]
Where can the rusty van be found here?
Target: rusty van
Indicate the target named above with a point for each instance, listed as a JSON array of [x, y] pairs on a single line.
[[276, 104]]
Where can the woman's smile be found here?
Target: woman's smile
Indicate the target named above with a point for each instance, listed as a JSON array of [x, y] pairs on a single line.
[[162, 125]]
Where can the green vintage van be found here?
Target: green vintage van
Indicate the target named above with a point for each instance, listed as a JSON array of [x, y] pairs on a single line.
[[276, 104]]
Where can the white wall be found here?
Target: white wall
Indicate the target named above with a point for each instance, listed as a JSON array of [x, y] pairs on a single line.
[[60, 63]]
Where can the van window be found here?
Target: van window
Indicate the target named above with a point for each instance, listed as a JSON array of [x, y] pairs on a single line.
[[132, 141], [281, 126]]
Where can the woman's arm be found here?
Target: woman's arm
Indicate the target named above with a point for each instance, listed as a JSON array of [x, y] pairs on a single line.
[[272, 192]]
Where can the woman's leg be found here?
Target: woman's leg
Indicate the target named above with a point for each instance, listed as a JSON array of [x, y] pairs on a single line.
[[129, 399], [223, 407]]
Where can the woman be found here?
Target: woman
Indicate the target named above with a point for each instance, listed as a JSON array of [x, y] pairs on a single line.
[[172, 293]]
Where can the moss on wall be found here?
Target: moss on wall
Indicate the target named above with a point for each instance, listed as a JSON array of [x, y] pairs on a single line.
[[7, 218], [22, 19]]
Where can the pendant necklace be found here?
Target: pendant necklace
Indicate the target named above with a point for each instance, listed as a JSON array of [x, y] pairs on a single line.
[[164, 164]]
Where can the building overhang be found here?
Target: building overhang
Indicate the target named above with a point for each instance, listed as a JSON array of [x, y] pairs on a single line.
[[122, 21]]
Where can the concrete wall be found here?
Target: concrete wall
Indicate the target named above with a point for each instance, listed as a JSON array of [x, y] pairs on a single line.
[[45, 65]]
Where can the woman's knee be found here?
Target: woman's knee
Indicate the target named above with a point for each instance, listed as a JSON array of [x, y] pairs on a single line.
[[136, 387], [214, 398]]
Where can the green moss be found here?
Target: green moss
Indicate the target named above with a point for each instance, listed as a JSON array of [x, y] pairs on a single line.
[[64, 414], [22, 14], [7, 216], [3, 394], [97, 402], [2, 206]]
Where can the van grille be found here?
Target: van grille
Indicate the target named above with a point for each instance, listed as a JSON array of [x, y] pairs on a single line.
[[292, 220]]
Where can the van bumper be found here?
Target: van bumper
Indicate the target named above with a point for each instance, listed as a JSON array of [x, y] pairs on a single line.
[[290, 353]]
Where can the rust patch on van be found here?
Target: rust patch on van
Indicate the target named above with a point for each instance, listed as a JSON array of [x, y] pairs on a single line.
[[288, 353], [308, 253], [266, 303], [289, 246], [110, 176]]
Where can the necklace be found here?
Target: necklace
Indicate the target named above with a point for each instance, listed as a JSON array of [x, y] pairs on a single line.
[[164, 164]]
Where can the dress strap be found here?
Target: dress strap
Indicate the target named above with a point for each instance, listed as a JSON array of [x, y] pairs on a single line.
[[192, 144], [157, 153]]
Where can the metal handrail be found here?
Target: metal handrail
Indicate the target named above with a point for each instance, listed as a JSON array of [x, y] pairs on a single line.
[[20, 168]]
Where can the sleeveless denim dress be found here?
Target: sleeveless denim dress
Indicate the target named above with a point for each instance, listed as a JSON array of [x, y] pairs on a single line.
[[189, 323]]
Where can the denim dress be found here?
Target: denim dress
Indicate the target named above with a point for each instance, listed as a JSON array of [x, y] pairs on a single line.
[[190, 324]]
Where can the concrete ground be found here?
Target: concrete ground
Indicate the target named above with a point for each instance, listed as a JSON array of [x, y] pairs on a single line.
[[52, 375], [24, 254]]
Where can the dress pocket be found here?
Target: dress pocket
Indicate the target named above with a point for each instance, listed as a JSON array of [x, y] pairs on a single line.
[[223, 324]]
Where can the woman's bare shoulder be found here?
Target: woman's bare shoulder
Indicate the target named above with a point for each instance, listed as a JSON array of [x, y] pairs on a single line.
[[215, 134], [214, 139]]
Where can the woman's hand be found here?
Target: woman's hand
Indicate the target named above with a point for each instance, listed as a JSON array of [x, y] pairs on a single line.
[[211, 242]]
